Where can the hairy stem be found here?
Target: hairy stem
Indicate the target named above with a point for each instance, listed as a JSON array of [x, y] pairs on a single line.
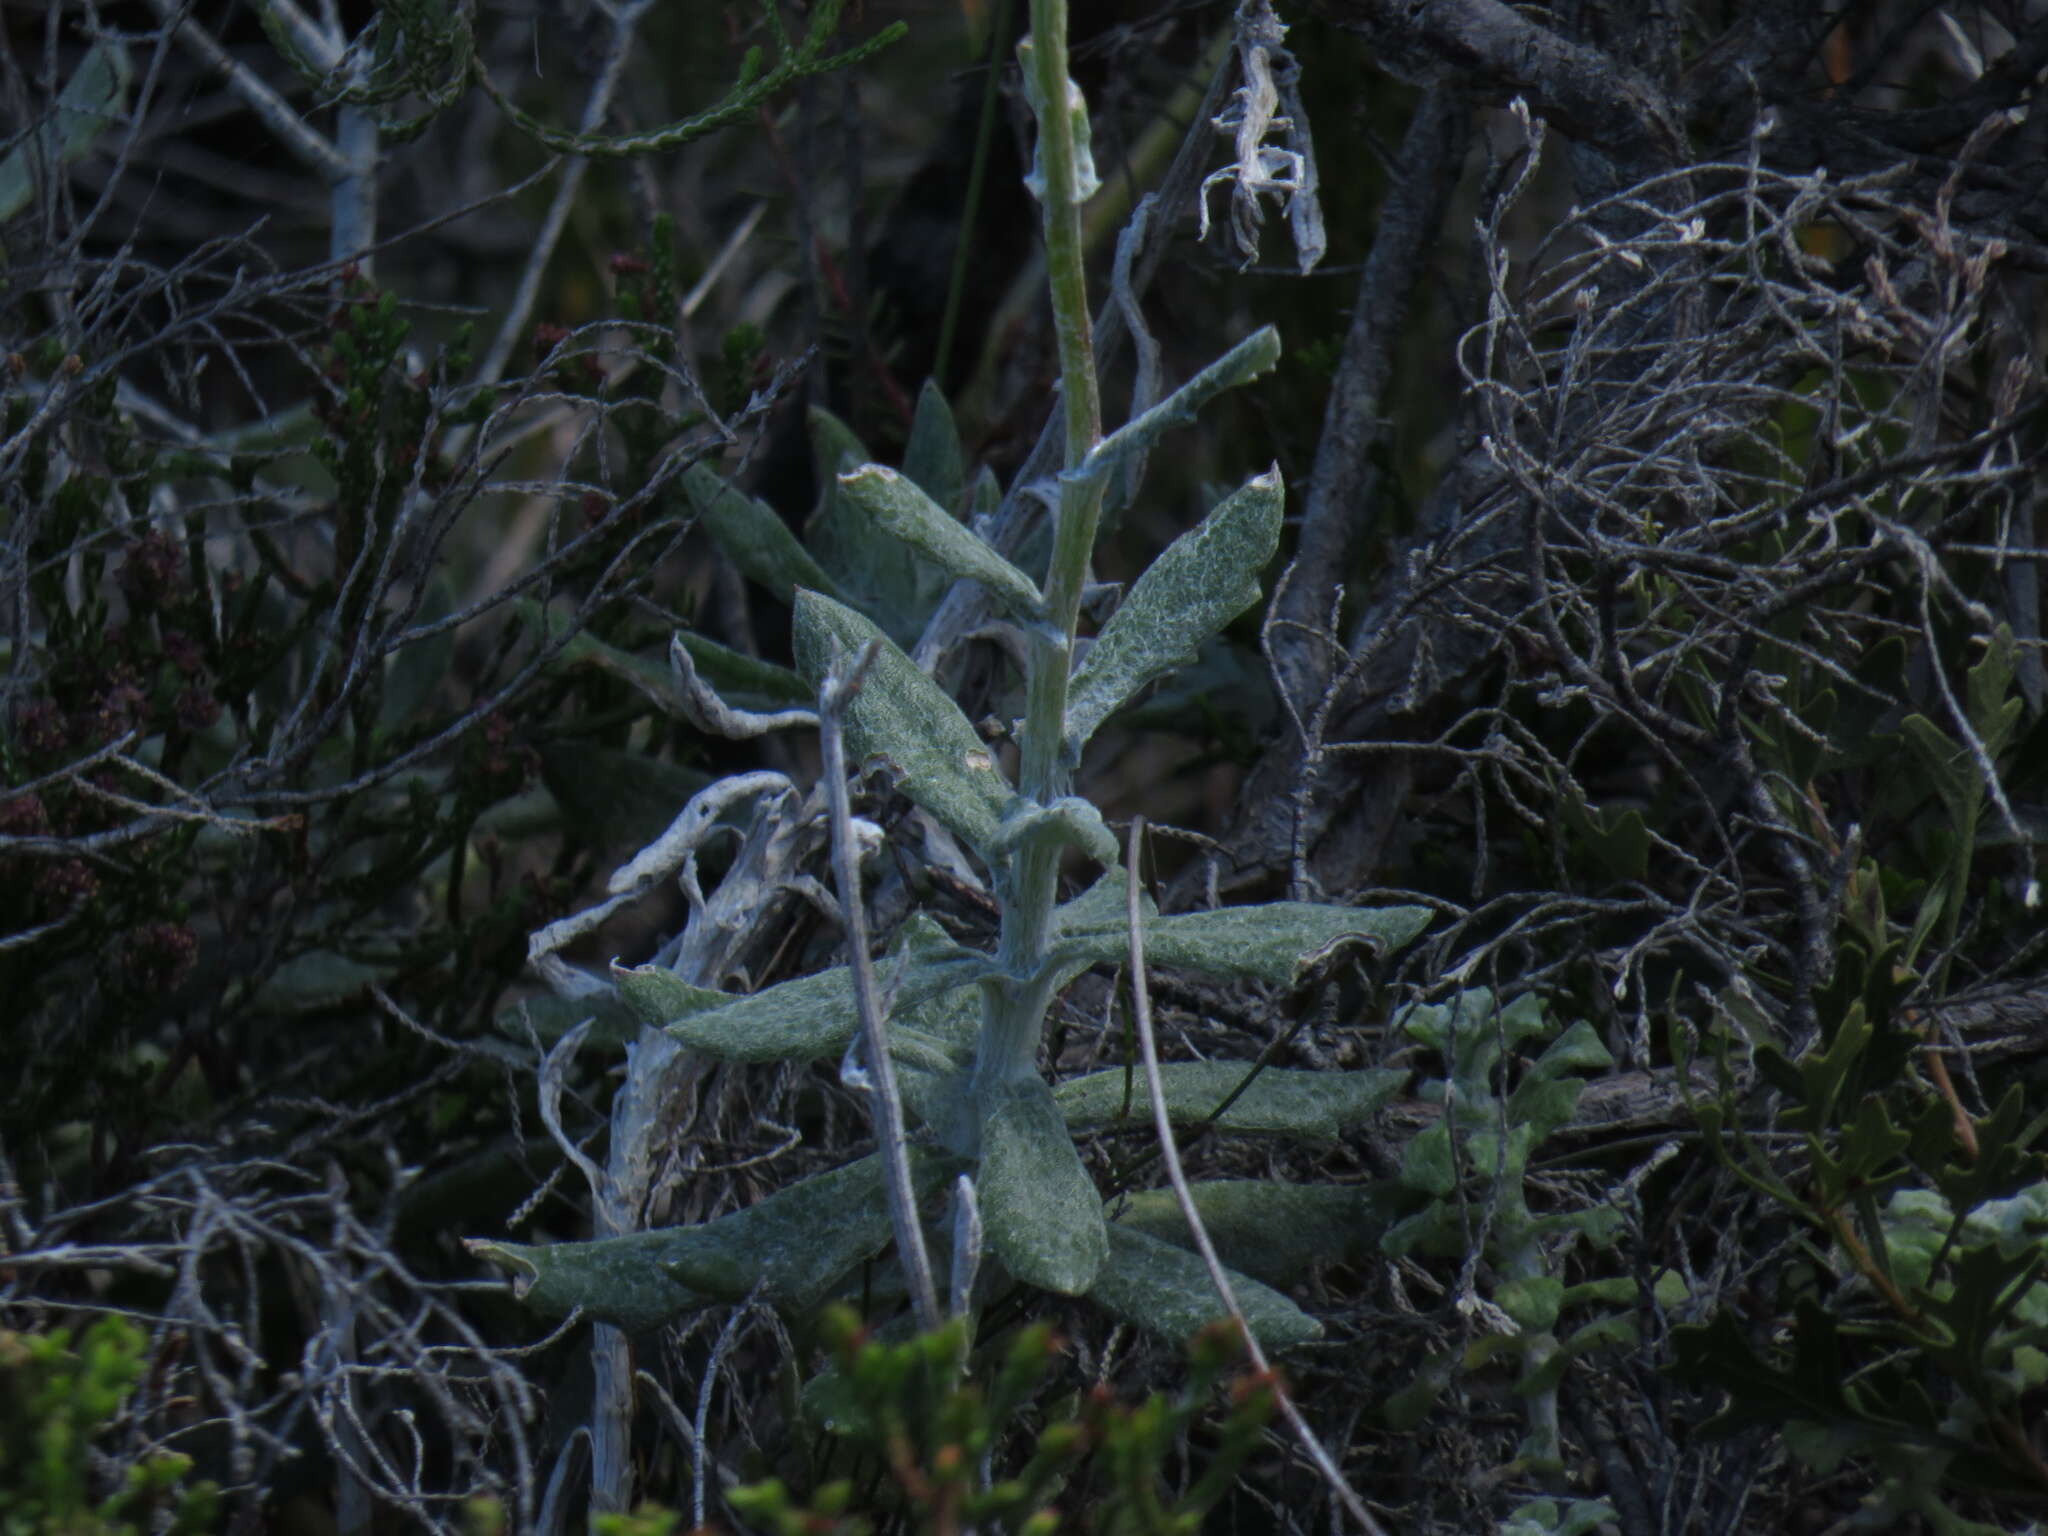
[[1013, 1014]]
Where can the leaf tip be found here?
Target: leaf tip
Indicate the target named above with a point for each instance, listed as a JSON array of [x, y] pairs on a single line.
[[509, 1257]]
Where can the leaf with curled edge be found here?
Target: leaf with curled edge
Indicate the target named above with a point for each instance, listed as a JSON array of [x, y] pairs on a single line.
[[1200, 582], [1167, 1290], [794, 1246], [907, 720], [1038, 1205]]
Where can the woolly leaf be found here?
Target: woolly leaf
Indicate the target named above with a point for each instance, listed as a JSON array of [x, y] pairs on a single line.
[[932, 456], [794, 1246], [1272, 1231], [1168, 1291], [1274, 942], [896, 505], [92, 101], [753, 536], [906, 719], [812, 1017], [1316, 1105], [1038, 1205], [1202, 580]]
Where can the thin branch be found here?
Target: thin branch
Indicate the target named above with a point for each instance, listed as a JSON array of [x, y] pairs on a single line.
[[1169, 1149]]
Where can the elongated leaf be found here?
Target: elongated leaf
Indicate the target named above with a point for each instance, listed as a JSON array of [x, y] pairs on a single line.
[[1241, 364], [614, 1024], [905, 718], [1313, 1105], [1038, 1205], [896, 505], [415, 672], [881, 576], [744, 681], [1273, 942], [813, 1017], [932, 456], [92, 101], [1168, 1291], [656, 995], [941, 1095], [1203, 580], [753, 537], [1274, 1232], [794, 1245]]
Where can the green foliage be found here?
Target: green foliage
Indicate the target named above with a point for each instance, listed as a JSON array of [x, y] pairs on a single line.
[[887, 543], [90, 104], [1470, 1170], [945, 1429], [57, 1405], [1918, 1342]]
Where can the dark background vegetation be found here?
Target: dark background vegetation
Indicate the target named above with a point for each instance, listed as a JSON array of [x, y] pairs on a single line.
[[1663, 431]]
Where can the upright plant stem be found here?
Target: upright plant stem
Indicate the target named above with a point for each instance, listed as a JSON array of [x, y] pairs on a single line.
[[1013, 1018]]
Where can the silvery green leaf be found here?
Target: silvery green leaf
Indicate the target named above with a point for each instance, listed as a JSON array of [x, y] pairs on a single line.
[[614, 1024], [92, 101], [1241, 364], [1038, 1205], [896, 505], [813, 1018], [1274, 942], [744, 681], [905, 718], [1168, 1291], [881, 576], [752, 536], [1272, 1231], [1199, 583], [932, 456], [1281, 1102], [1069, 820], [940, 1093], [987, 497], [794, 1246], [1086, 182], [656, 995]]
